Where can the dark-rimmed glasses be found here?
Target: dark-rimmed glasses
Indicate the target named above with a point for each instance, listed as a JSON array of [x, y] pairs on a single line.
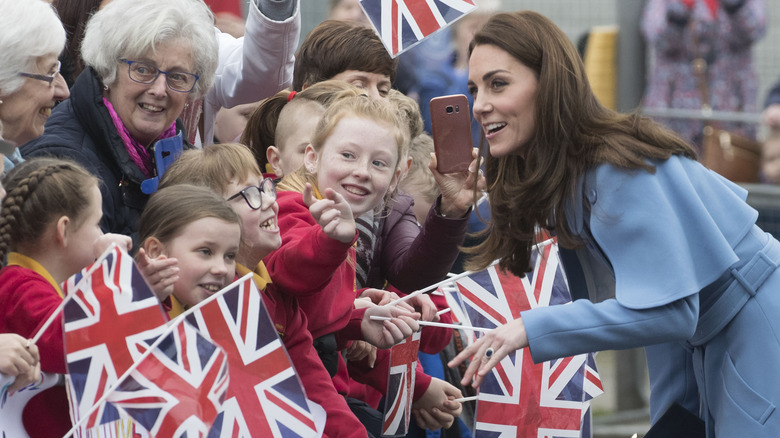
[[49, 78], [253, 194], [144, 73]]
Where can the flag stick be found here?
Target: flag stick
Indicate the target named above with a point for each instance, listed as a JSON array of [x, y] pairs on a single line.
[[443, 311], [452, 278], [466, 399], [437, 324], [168, 330]]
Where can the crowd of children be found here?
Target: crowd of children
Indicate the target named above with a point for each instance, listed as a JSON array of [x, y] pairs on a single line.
[[308, 202]]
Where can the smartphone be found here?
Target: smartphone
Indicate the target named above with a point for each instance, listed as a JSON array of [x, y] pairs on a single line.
[[451, 125]]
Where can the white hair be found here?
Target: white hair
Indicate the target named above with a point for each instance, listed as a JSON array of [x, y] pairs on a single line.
[[130, 28], [24, 39]]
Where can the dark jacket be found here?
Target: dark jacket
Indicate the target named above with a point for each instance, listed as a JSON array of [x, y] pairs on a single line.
[[80, 128]]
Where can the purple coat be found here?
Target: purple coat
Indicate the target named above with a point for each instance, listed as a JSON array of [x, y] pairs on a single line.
[[410, 257], [725, 41]]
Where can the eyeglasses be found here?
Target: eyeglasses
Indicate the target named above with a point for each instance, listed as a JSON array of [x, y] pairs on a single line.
[[49, 78], [253, 194], [144, 73]]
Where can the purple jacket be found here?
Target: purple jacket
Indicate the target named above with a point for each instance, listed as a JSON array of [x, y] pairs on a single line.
[[411, 257], [677, 36]]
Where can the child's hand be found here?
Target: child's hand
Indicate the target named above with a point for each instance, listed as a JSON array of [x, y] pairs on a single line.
[[332, 213], [161, 273], [19, 361], [385, 334], [104, 241], [359, 350], [436, 408], [457, 189]]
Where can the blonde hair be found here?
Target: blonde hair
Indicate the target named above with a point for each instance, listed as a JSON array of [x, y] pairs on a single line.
[[364, 107], [262, 130], [215, 167], [420, 178]]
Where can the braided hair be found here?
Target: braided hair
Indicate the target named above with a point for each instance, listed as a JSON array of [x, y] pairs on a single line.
[[39, 191]]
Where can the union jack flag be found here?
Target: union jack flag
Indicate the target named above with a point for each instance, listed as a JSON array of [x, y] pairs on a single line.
[[401, 24], [178, 389], [400, 386], [265, 397], [520, 398], [109, 316]]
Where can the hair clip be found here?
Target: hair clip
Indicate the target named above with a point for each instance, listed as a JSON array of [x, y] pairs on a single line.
[[291, 95]]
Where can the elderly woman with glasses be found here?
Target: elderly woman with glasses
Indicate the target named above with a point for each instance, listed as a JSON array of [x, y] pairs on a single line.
[[30, 83], [145, 60]]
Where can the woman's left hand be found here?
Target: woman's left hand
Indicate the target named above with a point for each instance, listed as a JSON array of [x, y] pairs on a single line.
[[457, 189], [502, 341]]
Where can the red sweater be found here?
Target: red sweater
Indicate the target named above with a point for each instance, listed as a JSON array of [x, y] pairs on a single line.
[[321, 272], [317, 270], [27, 298]]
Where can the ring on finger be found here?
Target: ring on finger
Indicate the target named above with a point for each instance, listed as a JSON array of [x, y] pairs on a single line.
[[489, 352]]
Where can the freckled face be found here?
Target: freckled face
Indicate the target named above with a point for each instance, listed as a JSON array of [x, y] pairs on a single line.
[[359, 160], [504, 93]]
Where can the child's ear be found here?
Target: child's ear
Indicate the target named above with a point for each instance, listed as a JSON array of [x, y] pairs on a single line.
[[62, 232], [153, 247], [274, 157], [400, 173], [310, 158], [405, 170]]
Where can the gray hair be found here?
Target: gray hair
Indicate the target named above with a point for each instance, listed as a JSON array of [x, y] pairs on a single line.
[[23, 40], [130, 28]]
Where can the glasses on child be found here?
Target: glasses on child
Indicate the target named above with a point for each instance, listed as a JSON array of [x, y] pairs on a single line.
[[253, 195], [144, 73], [49, 78]]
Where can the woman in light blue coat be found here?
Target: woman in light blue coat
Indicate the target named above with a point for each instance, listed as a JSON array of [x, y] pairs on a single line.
[[667, 251]]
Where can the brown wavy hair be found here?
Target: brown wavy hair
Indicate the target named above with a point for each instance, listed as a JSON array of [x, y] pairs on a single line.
[[573, 133]]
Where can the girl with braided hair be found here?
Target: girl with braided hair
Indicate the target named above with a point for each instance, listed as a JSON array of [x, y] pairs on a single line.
[[49, 230]]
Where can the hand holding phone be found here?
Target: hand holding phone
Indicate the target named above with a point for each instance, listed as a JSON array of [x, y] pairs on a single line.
[[451, 125]]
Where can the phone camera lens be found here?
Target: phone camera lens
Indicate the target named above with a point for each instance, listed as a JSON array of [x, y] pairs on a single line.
[[449, 109]]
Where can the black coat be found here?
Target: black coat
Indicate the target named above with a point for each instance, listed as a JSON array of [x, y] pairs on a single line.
[[80, 128]]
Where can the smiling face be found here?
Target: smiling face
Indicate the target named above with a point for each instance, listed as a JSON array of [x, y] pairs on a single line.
[[25, 111], [359, 160], [375, 84], [147, 110], [259, 227], [504, 93], [206, 250]]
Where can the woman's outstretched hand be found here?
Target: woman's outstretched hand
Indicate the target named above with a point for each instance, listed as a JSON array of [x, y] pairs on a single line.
[[501, 341]]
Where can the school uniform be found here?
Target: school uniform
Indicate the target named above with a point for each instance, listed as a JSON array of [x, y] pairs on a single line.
[[28, 296], [291, 325]]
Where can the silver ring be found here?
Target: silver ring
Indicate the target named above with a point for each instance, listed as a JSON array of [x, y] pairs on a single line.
[[489, 352]]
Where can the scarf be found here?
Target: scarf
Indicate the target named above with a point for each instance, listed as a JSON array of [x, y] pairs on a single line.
[[138, 153], [712, 5]]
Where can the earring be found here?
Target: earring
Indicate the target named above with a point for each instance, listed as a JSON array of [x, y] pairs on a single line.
[[105, 87]]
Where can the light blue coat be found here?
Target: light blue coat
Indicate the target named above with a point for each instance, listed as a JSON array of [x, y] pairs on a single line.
[[674, 262]]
